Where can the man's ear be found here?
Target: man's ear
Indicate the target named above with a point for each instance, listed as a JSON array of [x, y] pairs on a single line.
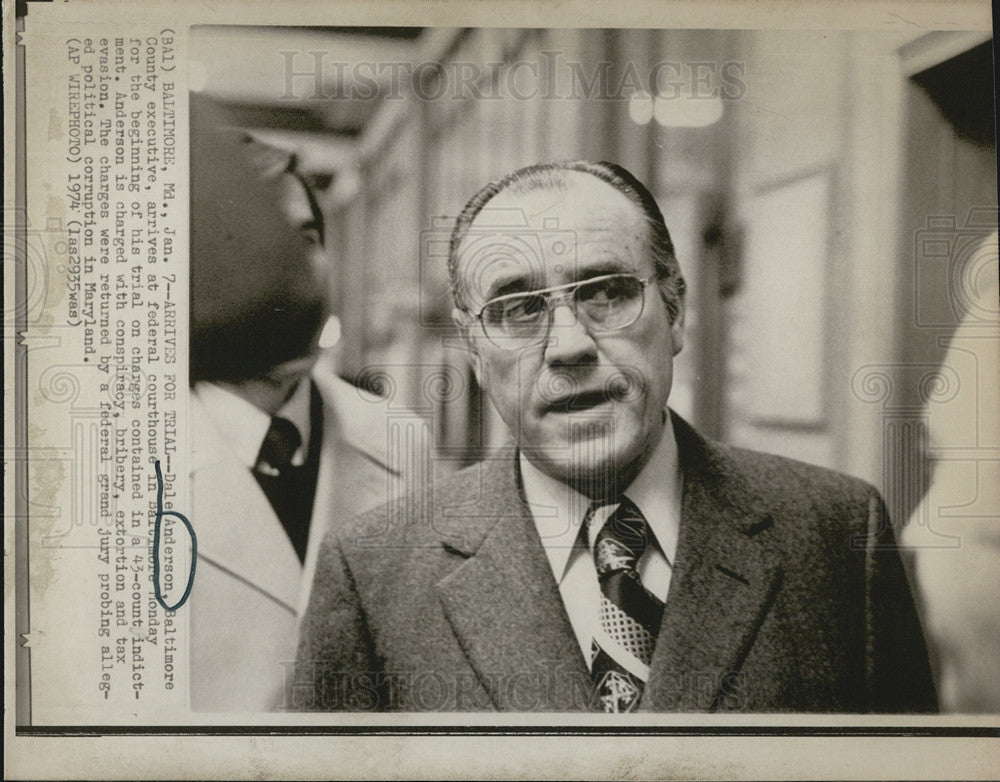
[[677, 327], [463, 320]]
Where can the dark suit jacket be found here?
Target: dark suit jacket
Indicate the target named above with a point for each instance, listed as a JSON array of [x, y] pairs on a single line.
[[788, 594]]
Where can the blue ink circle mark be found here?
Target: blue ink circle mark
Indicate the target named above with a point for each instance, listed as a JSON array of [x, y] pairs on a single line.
[[160, 513]]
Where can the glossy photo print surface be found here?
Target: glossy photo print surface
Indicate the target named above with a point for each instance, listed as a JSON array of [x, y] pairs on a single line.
[[501, 391]]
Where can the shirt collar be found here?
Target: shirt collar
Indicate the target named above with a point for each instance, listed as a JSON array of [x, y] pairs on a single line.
[[657, 491], [244, 425], [559, 510]]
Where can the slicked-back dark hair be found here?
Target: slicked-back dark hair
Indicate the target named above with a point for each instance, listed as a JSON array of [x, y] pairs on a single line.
[[547, 176]]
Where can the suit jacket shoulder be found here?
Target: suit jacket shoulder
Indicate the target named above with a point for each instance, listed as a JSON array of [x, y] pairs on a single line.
[[809, 511], [804, 563], [750, 478]]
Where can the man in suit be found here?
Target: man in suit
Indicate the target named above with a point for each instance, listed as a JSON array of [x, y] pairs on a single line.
[[280, 443], [613, 559]]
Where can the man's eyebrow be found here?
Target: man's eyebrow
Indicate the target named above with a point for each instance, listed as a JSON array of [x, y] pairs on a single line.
[[525, 284], [505, 285], [603, 268]]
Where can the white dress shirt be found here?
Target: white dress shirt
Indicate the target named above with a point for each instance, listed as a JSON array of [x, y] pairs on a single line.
[[559, 510], [244, 425]]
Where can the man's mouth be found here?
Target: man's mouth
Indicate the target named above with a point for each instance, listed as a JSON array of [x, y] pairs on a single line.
[[585, 400]]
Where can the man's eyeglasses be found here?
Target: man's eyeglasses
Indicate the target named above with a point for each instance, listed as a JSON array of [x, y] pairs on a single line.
[[607, 303]]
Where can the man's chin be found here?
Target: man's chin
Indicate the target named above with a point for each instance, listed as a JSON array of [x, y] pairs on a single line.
[[594, 468], [599, 480]]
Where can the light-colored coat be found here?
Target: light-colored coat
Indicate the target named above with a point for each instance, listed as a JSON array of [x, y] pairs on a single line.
[[249, 585], [787, 595]]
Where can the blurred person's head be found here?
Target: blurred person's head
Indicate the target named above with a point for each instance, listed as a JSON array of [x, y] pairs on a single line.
[[581, 374], [259, 274]]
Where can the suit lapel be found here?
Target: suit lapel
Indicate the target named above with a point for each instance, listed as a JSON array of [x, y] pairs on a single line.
[[236, 526], [723, 584], [504, 605]]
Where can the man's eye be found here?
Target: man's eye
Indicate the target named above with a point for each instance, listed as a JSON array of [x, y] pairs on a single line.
[[524, 308], [605, 290]]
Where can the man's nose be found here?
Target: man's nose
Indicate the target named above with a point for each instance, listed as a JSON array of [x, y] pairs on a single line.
[[569, 340]]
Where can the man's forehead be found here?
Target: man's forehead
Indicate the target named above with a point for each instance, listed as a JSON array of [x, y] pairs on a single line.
[[537, 227], [578, 198]]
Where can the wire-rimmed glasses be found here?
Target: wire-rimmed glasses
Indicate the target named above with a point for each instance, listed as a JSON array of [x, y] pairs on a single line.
[[610, 302]]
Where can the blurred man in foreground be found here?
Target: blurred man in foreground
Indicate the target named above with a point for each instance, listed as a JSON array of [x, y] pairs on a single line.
[[955, 530], [280, 444], [614, 559]]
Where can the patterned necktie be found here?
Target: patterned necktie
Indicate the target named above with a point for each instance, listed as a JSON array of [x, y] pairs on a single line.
[[290, 489], [630, 614]]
